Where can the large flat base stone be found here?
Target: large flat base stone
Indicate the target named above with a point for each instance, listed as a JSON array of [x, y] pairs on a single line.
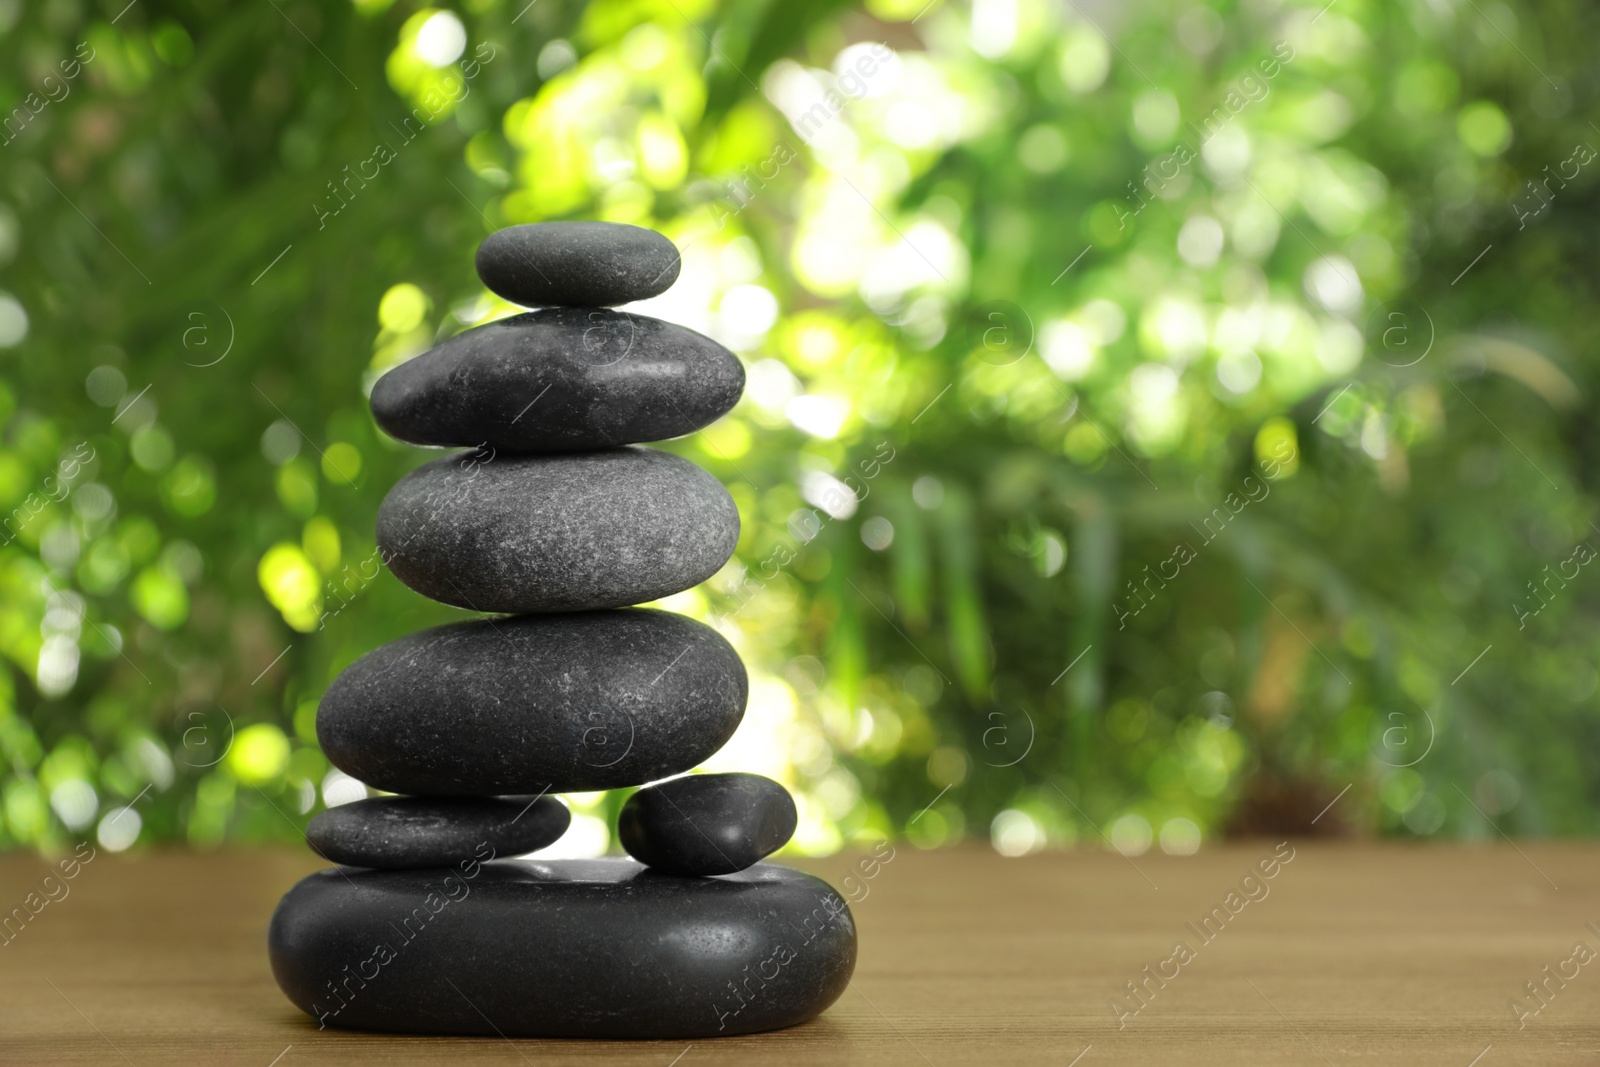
[[562, 948]]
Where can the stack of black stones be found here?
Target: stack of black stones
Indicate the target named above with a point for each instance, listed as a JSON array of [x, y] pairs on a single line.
[[552, 524]]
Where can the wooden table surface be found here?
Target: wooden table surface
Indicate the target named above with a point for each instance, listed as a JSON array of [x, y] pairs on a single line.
[[1354, 953]]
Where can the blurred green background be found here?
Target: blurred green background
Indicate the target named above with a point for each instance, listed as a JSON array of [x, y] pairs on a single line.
[[1164, 421]]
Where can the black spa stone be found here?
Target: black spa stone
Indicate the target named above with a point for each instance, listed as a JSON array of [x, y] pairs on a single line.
[[564, 703], [556, 533], [707, 824], [564, 948], [560, 380], [396, 832], [577, 264]]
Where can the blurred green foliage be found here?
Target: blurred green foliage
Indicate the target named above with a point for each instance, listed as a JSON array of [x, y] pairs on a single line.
[[1161, 417]]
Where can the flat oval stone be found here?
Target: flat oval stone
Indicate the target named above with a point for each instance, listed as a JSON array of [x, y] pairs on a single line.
[[707, 823], [564, 948], [561, 380], [396, 832], [535, 703], [556, 533], [577, 264]]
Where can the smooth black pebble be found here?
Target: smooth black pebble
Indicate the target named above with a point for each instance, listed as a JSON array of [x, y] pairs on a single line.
[[556, 533], [577, 264], [564, 703], [563, 948], [706, 824], [397, 832], [562, 380]]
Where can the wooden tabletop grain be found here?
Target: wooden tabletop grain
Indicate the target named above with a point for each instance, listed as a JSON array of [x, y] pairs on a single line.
[[1304, 953]]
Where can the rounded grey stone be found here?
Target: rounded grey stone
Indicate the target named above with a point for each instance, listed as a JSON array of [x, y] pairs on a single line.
[[567, 532], [577, 264], [535, 703], [706, 824], [562, 948], [560, 380], [396, 832]]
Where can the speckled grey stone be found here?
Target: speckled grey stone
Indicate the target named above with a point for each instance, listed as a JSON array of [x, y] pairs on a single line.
[[563, 948], [577, 264], [707, 823], [563, 703], [396, 832], [556, 533], [560, 380]]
